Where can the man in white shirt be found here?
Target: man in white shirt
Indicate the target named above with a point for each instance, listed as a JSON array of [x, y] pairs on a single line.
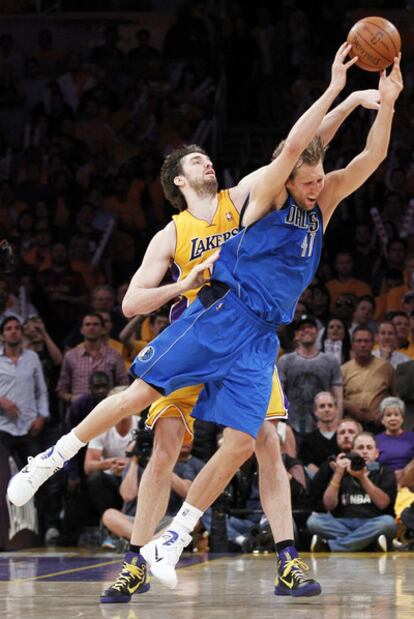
[[23, 394], [104, 462]]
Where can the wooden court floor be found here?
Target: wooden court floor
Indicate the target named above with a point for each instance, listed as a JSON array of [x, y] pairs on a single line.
[[66, 585]]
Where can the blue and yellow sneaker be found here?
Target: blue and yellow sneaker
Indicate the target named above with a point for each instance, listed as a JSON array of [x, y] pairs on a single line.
[[290, 577], [133, 578]]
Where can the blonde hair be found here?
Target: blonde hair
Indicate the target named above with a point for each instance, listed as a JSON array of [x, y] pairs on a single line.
[[350, 420], [312, 155]]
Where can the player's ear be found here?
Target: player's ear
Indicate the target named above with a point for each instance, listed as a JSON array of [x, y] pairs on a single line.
[[178, 181]]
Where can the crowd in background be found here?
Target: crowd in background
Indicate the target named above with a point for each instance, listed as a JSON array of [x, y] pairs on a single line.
[[83, 132]]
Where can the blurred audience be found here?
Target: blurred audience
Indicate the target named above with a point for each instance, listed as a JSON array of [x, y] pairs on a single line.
[[386, 345], [344, 280], [335, 340], [366, 381], [306, 372], [91, 355], [317, 446]]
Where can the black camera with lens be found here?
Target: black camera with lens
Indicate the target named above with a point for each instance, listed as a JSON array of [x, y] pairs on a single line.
[[142, 447], [357, 462]]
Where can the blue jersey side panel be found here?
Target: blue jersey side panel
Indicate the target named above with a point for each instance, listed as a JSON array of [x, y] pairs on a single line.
[[270, 263]]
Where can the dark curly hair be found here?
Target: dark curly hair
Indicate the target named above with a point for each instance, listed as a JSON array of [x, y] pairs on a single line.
[[171, 168]]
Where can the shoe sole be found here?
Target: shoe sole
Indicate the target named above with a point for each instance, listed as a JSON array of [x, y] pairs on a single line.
[[170, 584], [311, 592], [124, 599]]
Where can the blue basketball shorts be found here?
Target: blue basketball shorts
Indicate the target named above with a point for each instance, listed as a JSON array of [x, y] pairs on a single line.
[[228, 349]]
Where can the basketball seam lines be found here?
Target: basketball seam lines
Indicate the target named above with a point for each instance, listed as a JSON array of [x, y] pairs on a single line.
[[374, 49], [385, 32]]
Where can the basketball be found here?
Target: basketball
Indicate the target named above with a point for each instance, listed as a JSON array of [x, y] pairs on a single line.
[[376, 42]]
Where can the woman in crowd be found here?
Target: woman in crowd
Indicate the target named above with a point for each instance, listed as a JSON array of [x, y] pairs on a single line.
[[336, 340], [396, 446]]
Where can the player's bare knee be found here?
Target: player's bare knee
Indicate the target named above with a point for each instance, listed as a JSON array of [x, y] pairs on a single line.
[[239, 445], [164, 457], [246, 448], [169, 431], [266, 434], [267, 440]]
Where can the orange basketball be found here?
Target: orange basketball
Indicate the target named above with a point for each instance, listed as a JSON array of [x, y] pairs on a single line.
[[376, 42]]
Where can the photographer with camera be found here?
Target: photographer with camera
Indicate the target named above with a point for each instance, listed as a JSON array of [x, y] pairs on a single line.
[[119, 522], [359, 494]]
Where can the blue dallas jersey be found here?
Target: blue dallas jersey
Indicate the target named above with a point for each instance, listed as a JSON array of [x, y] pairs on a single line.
[[270, 263]]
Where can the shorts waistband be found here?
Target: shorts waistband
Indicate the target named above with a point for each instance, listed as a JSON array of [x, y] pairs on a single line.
[[250, 315], [210, 294]]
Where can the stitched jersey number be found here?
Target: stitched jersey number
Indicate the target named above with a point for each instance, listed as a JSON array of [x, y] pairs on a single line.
[[308, 244]]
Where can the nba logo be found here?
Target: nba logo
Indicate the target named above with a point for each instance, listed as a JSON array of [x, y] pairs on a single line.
[[229, 216], [146, 354]]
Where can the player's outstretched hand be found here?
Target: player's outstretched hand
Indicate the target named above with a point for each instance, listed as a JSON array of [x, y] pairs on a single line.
[[200, 274], [391, 85], [340, 67], [369, 99]]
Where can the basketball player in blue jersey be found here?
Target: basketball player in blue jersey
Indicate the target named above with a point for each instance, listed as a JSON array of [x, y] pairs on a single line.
[[205, 220], [227, 338]]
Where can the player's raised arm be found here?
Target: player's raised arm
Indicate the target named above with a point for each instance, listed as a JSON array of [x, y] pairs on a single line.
[[342, 183], [368, 99], [270, 187]]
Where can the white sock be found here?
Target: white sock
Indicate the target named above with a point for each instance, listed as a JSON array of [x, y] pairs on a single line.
[[68, 445], [187, 518], [240, 539]]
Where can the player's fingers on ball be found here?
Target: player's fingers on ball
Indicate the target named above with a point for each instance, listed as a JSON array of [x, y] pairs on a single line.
[[351, 62]]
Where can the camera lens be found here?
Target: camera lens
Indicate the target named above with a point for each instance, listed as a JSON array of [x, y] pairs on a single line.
[[357, 462]]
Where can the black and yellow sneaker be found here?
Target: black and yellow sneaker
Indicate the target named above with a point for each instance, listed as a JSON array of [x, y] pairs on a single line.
[[133, 578], [291, 578]]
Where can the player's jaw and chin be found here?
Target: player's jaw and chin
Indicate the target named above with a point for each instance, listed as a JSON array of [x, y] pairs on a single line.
[[204, 185], [304, 198], [304, 201]]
